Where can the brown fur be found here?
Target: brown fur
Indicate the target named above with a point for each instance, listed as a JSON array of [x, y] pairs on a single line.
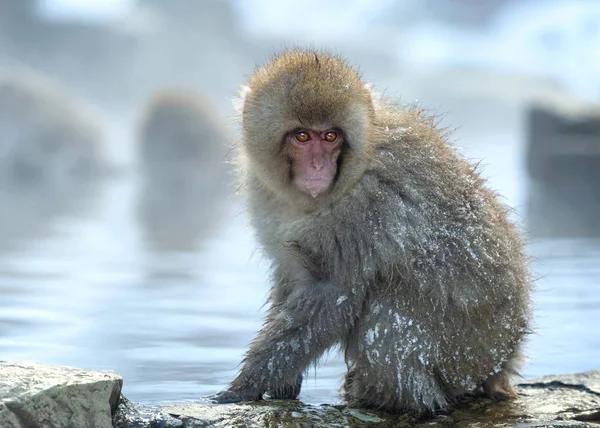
[[408, 261]]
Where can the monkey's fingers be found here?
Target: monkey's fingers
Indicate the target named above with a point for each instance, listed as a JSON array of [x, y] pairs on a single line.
[[285, 393], [227, 396]]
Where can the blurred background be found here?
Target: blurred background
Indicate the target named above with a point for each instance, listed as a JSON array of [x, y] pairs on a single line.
[[123, 245]]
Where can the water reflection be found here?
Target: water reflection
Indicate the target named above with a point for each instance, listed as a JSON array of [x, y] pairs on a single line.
[[28, 215], [567, 304]]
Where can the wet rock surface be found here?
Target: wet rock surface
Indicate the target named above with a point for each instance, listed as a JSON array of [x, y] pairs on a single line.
[[35, 395], [44, 396], [552, 401]]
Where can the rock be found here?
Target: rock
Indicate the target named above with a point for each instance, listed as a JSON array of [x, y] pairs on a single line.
[[552, 401], [44, 396], [563, 159], [560, 128]]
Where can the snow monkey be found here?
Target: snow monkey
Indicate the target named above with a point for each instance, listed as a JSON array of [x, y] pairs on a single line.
[[182, 148], [382, 239]]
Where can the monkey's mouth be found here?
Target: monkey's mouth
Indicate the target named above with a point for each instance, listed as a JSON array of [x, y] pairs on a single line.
[[313, 185]]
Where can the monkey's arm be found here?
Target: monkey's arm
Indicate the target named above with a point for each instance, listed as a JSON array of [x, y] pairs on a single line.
[[297, 330]]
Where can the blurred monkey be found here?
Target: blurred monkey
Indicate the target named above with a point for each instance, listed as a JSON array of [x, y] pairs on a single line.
[[182, 157], [51, 155], [46, 136]]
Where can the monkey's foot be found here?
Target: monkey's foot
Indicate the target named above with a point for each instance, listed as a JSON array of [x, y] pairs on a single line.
[[498, 388], [228, 396], [285, 393], [499, 394]]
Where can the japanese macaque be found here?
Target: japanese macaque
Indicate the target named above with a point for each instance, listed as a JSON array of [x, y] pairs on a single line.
[[51, 156], [47, 138], [182, 150], [180, 126], [382, 239]]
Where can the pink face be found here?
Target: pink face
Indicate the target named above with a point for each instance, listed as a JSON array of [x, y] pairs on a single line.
[[314, 153]]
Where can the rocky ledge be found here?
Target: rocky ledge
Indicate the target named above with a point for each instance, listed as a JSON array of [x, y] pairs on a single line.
[[35, 396], [43, 396]]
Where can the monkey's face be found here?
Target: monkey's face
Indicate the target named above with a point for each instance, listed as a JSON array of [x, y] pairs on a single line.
[[312, 157], [306, 118]]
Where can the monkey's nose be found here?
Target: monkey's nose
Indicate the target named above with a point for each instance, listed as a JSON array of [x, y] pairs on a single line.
[[317, 163]]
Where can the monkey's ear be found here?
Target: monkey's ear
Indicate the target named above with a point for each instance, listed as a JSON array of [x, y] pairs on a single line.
[[376, 96], [370, 87], [238, 103]]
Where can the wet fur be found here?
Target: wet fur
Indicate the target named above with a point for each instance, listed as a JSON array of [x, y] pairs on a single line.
[[409, 262]]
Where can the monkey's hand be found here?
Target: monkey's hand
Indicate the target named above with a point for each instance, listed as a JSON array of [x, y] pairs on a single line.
[[287, 392], [229, 396], [298, 329]]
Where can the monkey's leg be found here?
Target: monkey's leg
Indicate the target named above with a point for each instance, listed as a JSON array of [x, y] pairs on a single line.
[[295, 333], [346, 388], [394, 363], [351, 345]]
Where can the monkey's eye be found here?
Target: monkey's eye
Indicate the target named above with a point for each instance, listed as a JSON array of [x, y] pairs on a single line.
[[331, 136], [302, 136]]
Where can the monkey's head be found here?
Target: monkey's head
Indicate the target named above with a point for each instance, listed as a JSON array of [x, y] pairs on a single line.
[[179, 125], [307, 119]]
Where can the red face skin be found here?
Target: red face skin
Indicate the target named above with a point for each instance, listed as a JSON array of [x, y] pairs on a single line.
[[314, 153]]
